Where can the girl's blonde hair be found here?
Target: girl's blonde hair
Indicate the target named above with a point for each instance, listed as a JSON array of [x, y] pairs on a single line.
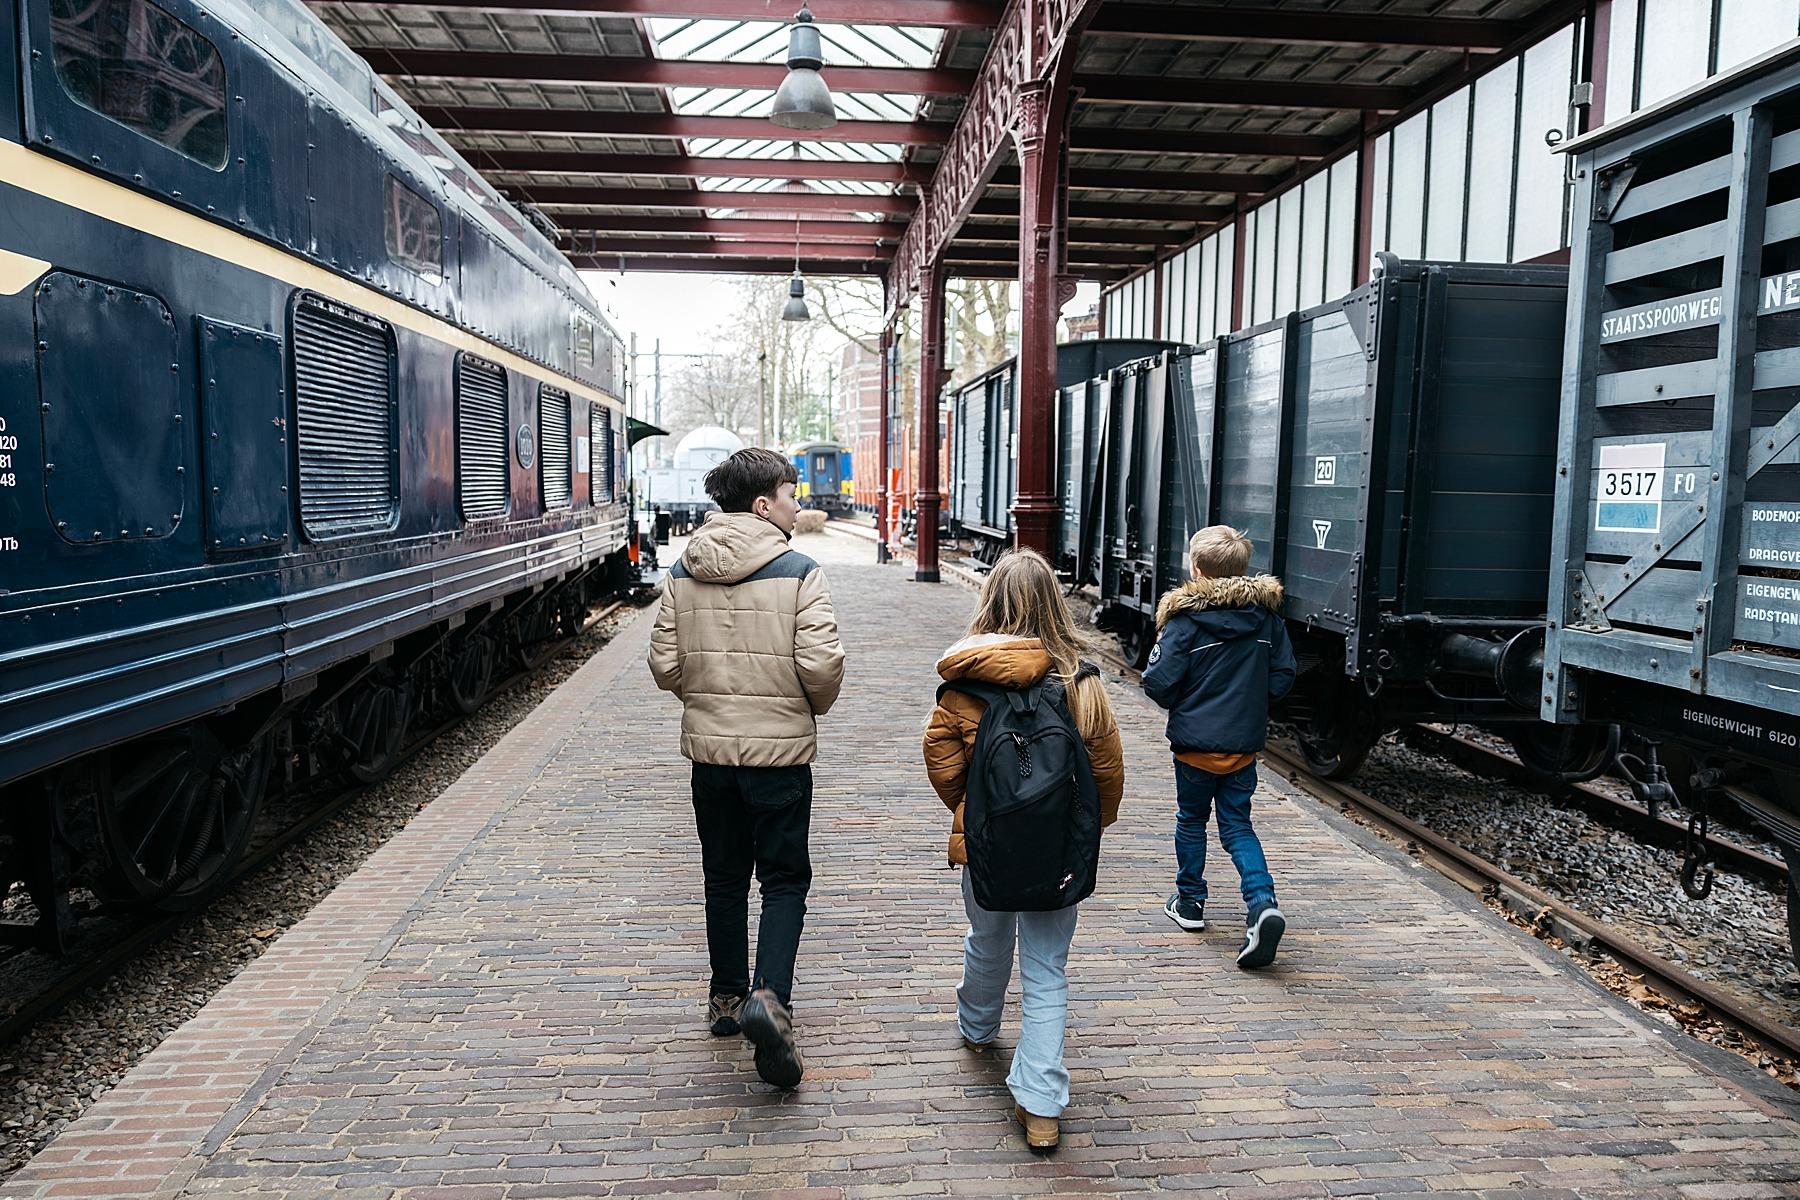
[[1021, 598]]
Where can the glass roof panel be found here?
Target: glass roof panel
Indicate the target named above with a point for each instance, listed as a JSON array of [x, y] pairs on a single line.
[[766, 42]]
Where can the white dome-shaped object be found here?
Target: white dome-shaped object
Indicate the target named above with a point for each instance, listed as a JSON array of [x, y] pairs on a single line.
[[706, 447]]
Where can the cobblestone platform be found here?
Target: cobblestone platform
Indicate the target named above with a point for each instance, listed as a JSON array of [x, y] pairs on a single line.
[[507, 1002]]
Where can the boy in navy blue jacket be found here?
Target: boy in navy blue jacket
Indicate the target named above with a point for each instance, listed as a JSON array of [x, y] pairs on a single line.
[[1221, 658]]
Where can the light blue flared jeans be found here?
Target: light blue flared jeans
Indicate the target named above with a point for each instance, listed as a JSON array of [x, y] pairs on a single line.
[[1038, 1080]]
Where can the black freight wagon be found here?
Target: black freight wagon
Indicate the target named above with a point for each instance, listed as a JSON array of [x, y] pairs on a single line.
[[1391, 456], [1675, 602], [984, 447]]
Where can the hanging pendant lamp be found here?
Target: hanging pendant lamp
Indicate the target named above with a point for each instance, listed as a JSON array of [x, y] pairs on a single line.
[[803, 101], [795, 309]]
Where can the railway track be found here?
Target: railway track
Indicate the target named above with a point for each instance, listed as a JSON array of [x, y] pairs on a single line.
[[1623, 815], [1544, 913], [144, 934]]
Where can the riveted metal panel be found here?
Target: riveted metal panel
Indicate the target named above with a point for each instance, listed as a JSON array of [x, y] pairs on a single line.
[[244, 438], [345, 422], [115, 436]]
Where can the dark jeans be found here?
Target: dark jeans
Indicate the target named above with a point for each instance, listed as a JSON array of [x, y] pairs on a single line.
[[754, 818], [1196, 794]]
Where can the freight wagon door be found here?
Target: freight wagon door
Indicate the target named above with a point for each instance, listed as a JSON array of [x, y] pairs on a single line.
[[1254, 420], [1679, 524], [1490, 384], [1194, 376], [1327, 464]]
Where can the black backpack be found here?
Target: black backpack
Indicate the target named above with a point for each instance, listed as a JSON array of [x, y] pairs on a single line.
[[1031, 811]]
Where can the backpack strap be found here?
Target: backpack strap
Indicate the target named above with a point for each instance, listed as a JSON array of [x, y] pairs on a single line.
[[987, 693]]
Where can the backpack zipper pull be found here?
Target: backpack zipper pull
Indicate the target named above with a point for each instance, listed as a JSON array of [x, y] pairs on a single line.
[[1023, 748]]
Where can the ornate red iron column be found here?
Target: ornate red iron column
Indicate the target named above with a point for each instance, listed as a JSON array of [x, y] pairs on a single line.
[[931, 379], [1042, 144], [884, 423]]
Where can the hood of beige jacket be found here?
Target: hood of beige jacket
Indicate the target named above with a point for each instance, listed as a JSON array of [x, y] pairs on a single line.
[[733, 546]]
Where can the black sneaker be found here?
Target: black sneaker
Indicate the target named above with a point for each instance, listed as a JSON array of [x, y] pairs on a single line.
[[1262, 935], [722, 1012], [1185, 913], [769, 1026]]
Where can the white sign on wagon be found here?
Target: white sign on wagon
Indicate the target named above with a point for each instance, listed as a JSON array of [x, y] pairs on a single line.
[[1628, 490]]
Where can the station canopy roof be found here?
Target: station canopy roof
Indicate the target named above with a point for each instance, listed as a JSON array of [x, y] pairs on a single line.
[[640, 127]]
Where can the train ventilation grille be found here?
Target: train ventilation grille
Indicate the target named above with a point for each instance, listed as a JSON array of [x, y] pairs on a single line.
[[344, 405], [481, 441], [601, 483], [553, 426]]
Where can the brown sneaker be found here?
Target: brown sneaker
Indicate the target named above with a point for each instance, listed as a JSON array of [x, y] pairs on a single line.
[[971, 1044], [769, 1025], [722, 1013], [1041, 1133]]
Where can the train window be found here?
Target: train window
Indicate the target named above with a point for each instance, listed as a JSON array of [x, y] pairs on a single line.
[[345, 421], [584, 341], [600, 480], [131, 61], [482, 482], [415, 232], [553, 455]]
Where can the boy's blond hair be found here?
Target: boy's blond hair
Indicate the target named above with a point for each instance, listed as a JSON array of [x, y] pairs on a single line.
[[1219, 551]]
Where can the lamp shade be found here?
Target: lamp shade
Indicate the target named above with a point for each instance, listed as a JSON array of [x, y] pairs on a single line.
[[803, 101], [795, 308]]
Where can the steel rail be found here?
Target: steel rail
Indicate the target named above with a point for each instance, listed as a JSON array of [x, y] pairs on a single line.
[[1609, 810], [157, 929], [1478, 875]]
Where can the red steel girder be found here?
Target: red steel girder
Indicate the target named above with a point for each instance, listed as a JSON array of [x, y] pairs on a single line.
[[717, 247], [1113, 210], [737, 266], [666, 125], [1123, 179], [1240, 93], [1081, 234], [811, 267], [973, 252], [572, 161], [653, 72], [813, 230], [948, 14], [563, 195], [1200, 141], [1313, 28]]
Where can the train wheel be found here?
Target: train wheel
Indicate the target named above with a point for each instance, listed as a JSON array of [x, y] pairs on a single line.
[[472, 671], [1555, 751], [1135, 640], [1336, 739], [535, 628], [374, 719], [176, 814]]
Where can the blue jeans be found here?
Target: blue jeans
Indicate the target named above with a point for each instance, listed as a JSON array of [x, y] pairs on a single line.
[[1038, 1080], [1196, 792]]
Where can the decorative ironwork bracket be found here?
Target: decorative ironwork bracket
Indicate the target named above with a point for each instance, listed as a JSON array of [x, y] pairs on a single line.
[[1028, 47]]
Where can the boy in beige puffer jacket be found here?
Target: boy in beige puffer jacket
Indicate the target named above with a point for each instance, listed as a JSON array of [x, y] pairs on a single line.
[[747, 640]]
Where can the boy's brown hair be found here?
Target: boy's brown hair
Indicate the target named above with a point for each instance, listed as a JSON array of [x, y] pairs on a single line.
[[753, 471], [1219, 551]]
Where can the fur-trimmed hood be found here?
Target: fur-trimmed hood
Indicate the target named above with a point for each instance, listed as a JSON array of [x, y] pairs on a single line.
[[1230, 591]]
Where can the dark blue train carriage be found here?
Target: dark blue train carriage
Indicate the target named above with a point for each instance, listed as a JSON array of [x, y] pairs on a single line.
[[304, 433], [825, 476]]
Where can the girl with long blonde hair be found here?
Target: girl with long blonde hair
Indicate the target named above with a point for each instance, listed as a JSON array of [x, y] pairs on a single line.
[[1021, 633]]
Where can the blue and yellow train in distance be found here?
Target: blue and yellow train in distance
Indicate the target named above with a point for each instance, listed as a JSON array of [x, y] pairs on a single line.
[[305, 434], [825, 478]]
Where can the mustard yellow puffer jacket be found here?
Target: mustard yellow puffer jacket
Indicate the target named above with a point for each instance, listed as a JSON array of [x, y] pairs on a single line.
[[747, 639]]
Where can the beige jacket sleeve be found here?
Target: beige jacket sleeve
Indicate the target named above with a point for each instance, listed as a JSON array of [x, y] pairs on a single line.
[[665, 651], [818, 655]]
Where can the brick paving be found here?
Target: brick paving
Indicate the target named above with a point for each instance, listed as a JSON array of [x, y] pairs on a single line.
[[506, 1002]]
